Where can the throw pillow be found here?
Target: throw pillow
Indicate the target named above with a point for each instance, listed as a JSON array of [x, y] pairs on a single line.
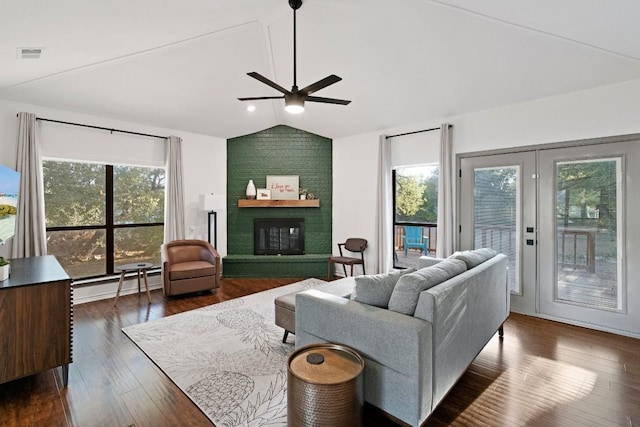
[[404, 297], [376, 289], [475, 257]]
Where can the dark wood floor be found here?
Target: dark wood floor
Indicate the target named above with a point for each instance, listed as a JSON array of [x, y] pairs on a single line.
[[542, 374]]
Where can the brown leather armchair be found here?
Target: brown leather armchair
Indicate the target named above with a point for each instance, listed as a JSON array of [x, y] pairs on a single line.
[[190, 266]]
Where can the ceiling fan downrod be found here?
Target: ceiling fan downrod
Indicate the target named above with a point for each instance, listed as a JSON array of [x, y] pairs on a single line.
[[295, 5]]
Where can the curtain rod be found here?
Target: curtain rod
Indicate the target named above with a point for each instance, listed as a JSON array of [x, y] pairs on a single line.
[[101, 128], [417, 131]]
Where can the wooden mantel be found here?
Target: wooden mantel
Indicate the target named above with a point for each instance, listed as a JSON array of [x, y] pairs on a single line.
[[245, 203]]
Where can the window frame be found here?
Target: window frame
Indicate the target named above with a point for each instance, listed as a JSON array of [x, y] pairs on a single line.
[[110, 227], [397, 223]]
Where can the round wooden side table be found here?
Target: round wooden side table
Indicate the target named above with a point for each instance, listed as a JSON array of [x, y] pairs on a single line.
[[141, 270], [325, 386]]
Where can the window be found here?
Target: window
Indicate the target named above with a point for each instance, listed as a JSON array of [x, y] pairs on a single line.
[[99, 216], [415, 206]]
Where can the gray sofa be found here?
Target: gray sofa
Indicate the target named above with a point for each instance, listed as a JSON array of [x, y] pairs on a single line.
[[435, 322]]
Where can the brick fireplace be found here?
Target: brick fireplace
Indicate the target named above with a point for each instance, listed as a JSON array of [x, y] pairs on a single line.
[[281, 150]]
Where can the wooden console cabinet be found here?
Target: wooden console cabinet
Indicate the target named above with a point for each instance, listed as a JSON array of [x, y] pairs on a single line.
[[36, 315]]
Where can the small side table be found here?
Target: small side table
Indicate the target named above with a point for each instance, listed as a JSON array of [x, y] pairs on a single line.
[[141, 270], [325, 386]]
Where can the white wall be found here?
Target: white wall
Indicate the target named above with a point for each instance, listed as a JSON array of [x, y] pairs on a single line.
[[604, 111], [355, 177], [204, 164]]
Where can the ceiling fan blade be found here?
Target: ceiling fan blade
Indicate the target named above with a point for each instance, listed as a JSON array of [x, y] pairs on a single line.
[[327, 100], [260, 97], [321, 84], [268, 82]]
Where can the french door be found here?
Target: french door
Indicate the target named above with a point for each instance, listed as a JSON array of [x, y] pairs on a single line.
[[565, 218], [498, 210]]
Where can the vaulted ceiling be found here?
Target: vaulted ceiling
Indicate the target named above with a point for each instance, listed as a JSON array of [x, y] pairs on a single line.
[[182, 64]]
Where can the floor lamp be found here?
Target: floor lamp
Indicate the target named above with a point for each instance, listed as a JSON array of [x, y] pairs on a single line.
[[213, 203]]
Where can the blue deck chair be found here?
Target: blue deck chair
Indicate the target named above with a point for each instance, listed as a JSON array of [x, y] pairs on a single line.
[[413, 238]]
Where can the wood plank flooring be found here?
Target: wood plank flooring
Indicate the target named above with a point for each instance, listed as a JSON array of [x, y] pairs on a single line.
[[541, 374]]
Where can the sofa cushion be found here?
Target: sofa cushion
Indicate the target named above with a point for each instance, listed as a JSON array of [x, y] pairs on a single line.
[[376, 289], [342, 287], [475, 257], [191, 269], [404, 297]]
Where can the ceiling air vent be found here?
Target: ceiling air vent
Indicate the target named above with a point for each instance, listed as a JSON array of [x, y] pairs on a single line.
[[30, 52]]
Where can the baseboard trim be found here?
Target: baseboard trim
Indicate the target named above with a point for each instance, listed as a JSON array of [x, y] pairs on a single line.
[[96, 292], [580, 324]]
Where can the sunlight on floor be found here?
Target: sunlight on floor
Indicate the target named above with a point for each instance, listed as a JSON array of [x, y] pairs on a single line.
[[553, 383], [550, 385]]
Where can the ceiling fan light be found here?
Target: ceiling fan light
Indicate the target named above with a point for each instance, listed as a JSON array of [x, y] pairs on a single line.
[[294, 109], [293, 105]]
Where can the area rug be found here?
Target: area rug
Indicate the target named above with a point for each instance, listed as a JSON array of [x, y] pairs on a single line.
[[228, 357]]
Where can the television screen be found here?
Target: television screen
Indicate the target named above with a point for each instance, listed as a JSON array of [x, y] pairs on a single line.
[[9, 184]]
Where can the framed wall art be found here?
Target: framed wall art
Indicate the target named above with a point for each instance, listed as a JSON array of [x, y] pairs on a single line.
[[283, 187], [263, 194]]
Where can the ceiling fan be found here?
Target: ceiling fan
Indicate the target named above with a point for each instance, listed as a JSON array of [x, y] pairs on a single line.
[[295, 98]]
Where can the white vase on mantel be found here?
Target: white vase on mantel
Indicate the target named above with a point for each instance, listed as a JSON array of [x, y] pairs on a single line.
[[251, 190]]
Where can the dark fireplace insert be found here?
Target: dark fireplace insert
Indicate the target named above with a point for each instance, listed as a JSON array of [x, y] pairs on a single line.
[[278, 236]]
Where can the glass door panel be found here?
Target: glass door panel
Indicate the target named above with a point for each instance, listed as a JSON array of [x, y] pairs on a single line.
[[498, 211], [588, 193], [496, 215]]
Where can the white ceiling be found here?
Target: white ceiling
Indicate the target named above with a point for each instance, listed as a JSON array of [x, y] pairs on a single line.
[[182, 64]]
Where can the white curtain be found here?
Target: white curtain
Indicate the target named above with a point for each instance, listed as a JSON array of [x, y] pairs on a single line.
[[174, 196], [445, 244], [30, 238], [385, 208]]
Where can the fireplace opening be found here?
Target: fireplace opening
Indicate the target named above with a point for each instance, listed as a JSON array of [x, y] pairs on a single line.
[[278, 236]]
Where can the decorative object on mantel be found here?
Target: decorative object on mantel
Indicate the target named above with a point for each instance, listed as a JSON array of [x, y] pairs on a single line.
[[306, 195], [251, 190], [264, 194], [212, 204], [5, 269], [283, 187]]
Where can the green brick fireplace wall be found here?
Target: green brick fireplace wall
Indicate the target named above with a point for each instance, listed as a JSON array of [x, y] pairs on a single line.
[[280, 150]]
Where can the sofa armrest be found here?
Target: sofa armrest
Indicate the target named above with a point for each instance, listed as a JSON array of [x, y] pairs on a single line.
[[465, 311], [208, 253], [400, 342], [427, 261]]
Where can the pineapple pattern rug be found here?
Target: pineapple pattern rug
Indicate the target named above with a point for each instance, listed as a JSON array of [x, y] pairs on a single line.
[[227, 357]]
